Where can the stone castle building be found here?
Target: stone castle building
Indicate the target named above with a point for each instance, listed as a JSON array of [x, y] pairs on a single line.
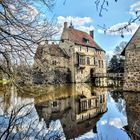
[[132, 63], [76, 58]]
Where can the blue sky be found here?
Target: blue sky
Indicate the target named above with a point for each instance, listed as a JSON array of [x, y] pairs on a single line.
[[85, 17]]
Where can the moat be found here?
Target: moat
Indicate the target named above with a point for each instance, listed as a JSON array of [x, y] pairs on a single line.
[[75, 111]]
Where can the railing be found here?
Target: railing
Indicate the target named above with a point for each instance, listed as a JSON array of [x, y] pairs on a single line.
[[108, 75]]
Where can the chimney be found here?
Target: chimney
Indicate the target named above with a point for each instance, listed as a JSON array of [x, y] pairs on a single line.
[[91, 34], [65, 25]]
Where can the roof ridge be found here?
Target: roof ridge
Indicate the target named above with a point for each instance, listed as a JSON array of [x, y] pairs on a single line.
[[133, 36], [123, 52], [79, 31]]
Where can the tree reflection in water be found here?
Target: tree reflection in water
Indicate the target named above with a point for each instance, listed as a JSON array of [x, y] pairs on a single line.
[[120, 101], [67, 112]]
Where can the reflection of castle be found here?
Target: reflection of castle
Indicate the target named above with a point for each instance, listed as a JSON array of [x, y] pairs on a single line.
[[78, 111], [133, 114]]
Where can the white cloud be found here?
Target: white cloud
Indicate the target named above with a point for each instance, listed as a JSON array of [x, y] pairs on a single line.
[[103, 122], [88, 135], [77, 21], [110, 52], [100, 31], [85, 28], [117, 122], [81, 23], [130, 30], [135, 6]]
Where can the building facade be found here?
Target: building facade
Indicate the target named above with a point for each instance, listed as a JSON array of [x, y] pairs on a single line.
[[132, 63], [83, 56]]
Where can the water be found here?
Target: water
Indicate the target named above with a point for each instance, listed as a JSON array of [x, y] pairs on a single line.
[[76, 111]]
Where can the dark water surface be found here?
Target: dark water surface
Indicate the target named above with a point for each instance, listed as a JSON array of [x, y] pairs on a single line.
[[76, 111]]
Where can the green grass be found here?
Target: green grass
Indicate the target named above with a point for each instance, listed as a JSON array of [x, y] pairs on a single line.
[[4, 81]]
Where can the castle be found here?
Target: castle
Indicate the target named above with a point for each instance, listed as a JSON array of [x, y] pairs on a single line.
[[75, 59]]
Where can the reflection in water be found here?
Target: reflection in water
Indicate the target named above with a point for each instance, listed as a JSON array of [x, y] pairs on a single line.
[[118, 97], [133, 114], [77, 111]]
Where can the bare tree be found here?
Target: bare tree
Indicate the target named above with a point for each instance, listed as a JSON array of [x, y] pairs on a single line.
[[102, 6], [22, 27], [22, 122]]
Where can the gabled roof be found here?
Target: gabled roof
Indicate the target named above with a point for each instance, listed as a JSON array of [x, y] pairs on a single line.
[[55, 50], [51, 49], [133, 41], [77, 36]]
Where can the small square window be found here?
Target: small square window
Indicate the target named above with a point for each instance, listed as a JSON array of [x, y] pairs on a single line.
[[80, 48], [87, 49], [54, 104]]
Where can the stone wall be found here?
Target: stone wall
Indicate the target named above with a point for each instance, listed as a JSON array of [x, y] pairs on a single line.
[[52, 66], [82, 73], [132, 70], [100, 62]]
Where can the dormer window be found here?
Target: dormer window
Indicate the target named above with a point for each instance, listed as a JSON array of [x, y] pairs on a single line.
[[85, 40]]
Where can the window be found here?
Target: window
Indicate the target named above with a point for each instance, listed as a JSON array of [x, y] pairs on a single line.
[[83, 105], [85, 40], [81, 60], [88, 61], [99, 63], [101, 99], [93, 102], [94, 61], [87, 49], [54, 104], [53, 62], [80, 48], [81, 71], [102, 64]]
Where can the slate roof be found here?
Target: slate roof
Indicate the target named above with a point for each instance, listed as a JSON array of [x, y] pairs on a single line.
[[77, 37], [52, 49]]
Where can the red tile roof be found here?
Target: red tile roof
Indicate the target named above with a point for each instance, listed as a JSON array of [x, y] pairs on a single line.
[[77, 37]]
